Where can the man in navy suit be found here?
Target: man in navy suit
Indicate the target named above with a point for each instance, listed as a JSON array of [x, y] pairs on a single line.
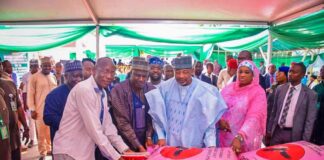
[[198, 68], [270, 77], [210, 74]]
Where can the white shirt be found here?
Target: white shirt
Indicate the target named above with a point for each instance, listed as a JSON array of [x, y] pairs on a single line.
[[291, 111], [313, 84], [209, 75], [183, 91], [223, 78], [80, 128], [156, 85], [230, 80], [24, 80]]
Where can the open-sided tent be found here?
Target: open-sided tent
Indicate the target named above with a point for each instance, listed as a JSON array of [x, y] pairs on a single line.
[[101, 12], [108, 10]]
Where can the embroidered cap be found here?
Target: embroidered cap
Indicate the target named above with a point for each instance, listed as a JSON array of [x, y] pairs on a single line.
[[71, 66], [183, 62], [156, 60], [140, 63]]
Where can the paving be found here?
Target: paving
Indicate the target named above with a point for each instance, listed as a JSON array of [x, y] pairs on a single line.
[[32, 154]]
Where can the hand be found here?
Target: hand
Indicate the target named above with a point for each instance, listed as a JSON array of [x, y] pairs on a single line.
[[223, 124], [141, 149], [149, 142], [236, 146], [34, 115], [128, 151], [121, 158], [161, 142], [26, 135]]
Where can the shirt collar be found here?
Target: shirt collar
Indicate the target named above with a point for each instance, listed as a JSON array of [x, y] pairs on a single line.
[[97, 90], [100, 91], [95, 85], [297, 87]]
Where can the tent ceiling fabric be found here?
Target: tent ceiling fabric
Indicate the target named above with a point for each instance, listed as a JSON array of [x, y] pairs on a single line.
[[213, 10], [42, 10]]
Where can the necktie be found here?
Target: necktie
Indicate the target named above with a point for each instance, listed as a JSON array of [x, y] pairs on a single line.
[[286, 108], [271, 80], [102, 106]]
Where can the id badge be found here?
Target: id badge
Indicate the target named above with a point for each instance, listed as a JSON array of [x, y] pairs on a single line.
[[13, 106], [4, 132]]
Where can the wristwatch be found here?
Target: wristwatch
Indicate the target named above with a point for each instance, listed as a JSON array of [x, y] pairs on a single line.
[[239, 137]]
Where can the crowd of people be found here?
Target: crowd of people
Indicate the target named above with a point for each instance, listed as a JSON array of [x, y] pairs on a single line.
[[79, 111]]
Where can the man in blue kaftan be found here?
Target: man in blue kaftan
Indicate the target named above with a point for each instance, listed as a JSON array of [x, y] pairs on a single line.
[[184, 109], [56, 99]]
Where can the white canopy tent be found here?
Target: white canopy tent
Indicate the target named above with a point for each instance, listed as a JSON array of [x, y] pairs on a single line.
[[100, 11], [315, 67], [252, 12]]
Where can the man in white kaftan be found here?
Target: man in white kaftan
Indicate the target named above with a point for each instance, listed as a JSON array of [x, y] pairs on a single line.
[[185, 110]]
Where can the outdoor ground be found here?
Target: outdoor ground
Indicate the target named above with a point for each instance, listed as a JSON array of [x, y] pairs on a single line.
[[32, 154]]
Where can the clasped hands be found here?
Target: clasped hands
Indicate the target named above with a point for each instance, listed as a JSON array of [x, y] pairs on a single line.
[[236, 143]]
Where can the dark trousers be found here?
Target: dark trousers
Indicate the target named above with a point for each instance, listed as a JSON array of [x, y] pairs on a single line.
[[280, 136], [24, 97], [318, 131], [15, 154]]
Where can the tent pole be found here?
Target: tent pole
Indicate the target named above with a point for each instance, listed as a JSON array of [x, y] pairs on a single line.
[[304, 57], [218, 54], [95, 20], [97, 42], [91, 11], [262, 54], [269, 53], [319, 6], [312, 53], [181, 21]]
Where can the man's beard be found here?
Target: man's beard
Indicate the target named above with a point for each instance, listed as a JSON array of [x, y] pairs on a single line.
[[156, 78]]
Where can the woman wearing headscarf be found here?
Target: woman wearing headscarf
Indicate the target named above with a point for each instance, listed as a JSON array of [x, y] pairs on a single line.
[[243, 124]]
